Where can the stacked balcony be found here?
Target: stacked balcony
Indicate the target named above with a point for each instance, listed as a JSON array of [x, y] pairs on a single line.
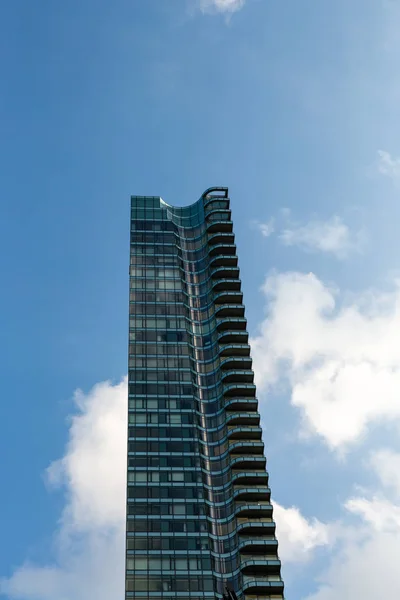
[[260, 566]]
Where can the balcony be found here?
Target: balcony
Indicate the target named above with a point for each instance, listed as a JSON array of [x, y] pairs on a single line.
[[247, 433], [257, 510], [240, 389], [229, 310], [244, 376], [256, 527], [218, 225], [252, 494], [222, 250], [265, 545], [233, 336], [226, 285], [228, 297], [243, 418], [232, 362], [234, 350], [257, 565], [225, 272], [215, 193], [237, 323], [224, 260], [263, 585], [250, 478], [216, 204], [238, 404], [245, 447], [221, 238], [248, 463], [214, 212]]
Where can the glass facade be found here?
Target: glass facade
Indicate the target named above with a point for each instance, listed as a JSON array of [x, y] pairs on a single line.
[[199, 517]]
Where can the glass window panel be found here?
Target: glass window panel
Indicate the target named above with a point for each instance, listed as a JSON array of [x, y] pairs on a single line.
[[179, 509], [141, 563]]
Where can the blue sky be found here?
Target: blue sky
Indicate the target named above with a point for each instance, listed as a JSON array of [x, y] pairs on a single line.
[[294, 106]]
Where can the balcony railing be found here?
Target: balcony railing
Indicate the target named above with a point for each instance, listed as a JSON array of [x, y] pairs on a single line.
[[250, 478], [223, 260], [236, 376], [262, 545], [228, 297], [222, 249], [236, 349], [232, 362], [228, 284], [252, 494], [251, 432], [243, 418], [221, 238], [237, 323], [263, 585], [224, 271], [239, 389], [260, 565], [246, 447], [238, 403], [257, 510], [255, 528]]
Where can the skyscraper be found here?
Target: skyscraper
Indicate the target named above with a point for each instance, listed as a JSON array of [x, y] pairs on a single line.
[[199, 517]]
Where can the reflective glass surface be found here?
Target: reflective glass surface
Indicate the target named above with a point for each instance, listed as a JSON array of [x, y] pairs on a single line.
[[186, 534]]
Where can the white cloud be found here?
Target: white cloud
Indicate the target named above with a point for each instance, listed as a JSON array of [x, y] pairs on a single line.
[[366, 566], [221, 6], [378, 512], [342, 364], [297, 536], [386, 464], [332, 236], [266, 228], [388, 165], [89, 542], [366, 569]]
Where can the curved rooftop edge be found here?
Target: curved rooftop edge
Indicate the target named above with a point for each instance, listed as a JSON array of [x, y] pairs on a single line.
[[217, 191], [190, 215]]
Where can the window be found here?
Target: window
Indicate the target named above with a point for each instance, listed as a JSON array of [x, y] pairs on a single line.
[[181, 564], [179, 509], [175, 419]]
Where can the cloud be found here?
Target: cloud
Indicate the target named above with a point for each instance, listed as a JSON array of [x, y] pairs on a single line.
[[366, 565], [367, 569], [297, 536], [331, 236], [342, 363], [89, 541], [267, 228], [386, 464], [221, 6], [378, 512], [388, 165]]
